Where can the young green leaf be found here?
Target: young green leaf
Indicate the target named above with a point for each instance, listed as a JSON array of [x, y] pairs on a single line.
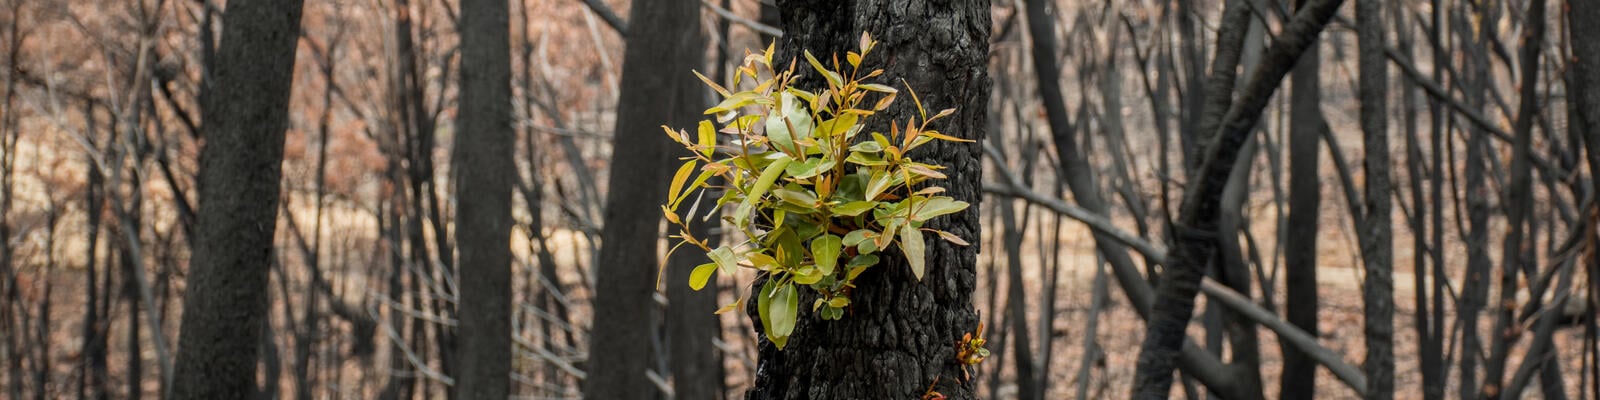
[[701, 274], [784, 304], [762, 184], [853, 208], [825, 252]]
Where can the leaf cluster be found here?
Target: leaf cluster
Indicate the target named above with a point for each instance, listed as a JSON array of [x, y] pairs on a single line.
[[817, 197]]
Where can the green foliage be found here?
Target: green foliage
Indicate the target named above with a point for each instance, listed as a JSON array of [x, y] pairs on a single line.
[[815, 197]]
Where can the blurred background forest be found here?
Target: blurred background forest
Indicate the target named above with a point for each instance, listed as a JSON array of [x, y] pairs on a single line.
[[1094, 120]]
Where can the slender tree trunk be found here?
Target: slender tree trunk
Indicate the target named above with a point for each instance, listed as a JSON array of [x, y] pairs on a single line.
[[1475, 289], [664, 44], [1305, 210], [485, 171], [1377, 244], [246, 114]]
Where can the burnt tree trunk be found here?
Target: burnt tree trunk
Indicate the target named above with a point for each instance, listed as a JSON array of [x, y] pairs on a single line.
[[246, 113], [901, 334], [1300, 232], [1377, 237], [485, 172], [657, 89]]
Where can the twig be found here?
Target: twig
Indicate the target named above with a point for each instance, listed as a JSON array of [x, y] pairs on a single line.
[[768, 30], [608, 16]]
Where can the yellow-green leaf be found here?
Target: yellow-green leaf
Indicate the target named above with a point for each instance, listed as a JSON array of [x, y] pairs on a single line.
[[677, 182], [937, 206], [911, 244], [854, 208], [708, 138], [762, 184], [724, 258], [701, 274], [880, 182]]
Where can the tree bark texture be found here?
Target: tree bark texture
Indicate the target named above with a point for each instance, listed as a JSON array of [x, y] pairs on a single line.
[[484, 173], [1377, 239], [664, 44], [245, 114], [899, 337]]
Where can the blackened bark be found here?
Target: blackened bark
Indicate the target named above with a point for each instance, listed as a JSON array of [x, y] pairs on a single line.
[[664, 44], [1194, 232], [1300, 231], [246, 113], [1377, 245], [484, 171], [901, 334]]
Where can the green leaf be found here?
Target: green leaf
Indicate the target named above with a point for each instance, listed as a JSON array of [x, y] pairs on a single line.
[[867, 159], [724, 258], [809, 168], [911, 244], [867, 147], [791, 114], [802, 197], [825, 252], [937, 206], [879, 183], [838, 126], [808, 275], [701, 274], [859, 264], [839, 302], [854, 208], [741, 216], [855, 237], [787, 249], [784, 304], [764, 310]]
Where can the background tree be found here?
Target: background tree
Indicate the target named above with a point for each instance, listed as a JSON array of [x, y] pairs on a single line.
[[657, 89], [246, 114], [484, 170]]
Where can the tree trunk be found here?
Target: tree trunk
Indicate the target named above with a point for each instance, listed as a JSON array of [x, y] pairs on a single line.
[[1377, 243], [246, 113], [484, 170], [1305, 205], [664, 44], [901, 334]]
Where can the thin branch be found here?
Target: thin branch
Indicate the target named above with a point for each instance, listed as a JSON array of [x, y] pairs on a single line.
[[765, 29], [608, 16]]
